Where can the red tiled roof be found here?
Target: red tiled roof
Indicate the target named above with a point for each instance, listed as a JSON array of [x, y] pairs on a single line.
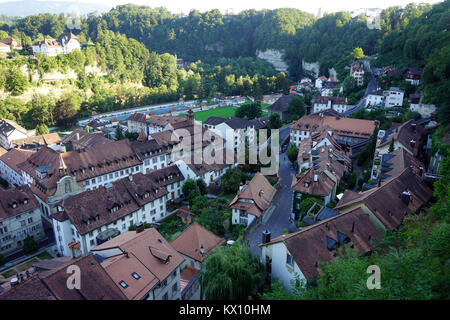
[[193, 238]]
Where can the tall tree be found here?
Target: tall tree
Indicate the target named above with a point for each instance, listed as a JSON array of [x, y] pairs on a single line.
[[230, 273]]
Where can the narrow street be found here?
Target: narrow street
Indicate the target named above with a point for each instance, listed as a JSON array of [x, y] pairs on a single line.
[[279, 219]]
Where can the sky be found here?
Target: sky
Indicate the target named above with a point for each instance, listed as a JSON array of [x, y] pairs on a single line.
[[312, 6]]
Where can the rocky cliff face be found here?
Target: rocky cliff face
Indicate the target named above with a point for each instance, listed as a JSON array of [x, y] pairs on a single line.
[[274, 57], [312, 67]]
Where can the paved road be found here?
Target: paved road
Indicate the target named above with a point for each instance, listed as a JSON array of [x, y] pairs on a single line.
[[283, 208]]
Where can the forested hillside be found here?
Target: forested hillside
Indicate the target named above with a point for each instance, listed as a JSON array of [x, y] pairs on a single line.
[[211, 35], [123, 39]]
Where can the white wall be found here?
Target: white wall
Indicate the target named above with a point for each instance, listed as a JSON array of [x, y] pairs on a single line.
[[282, 271]]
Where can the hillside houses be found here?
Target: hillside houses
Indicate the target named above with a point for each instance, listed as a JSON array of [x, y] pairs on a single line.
[[417, 105], [413, 76], [375, 99], [394, 97], [65, 44], [357, 72], [6, 44], [407, 136], [338, 104]]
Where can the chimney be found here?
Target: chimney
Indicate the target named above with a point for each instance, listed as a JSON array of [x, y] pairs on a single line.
[[140, 228], [413, 126], [202, 250], [412, 143], [77, 136], [420, 171], [406, 197], [261, 193], [130, 177], [266, 236]]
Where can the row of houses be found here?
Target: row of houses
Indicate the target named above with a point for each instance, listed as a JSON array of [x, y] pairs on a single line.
[[135, 265], [103, 170], [398, 188], [412, 75], [347, 130]]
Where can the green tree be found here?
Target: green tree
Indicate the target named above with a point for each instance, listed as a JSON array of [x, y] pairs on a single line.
[[250, 110], [41, 129], [202, 186], [29, 245], [231, 180], [358, 53], [230, 273], [274, 121], [65, 113], [119, 133], [292, 152], [297, 108], [191, 190], [16, 81]]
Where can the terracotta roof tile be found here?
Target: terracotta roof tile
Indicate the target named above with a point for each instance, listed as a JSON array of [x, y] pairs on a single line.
[[193, 238]]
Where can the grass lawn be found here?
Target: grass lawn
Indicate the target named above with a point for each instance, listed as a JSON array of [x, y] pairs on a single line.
[[223, 112], [11, 271]]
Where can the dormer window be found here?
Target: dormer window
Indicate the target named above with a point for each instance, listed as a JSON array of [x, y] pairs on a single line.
[[136, 276], [92, 168], [14, 205], [89, 221], [25, 201]]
